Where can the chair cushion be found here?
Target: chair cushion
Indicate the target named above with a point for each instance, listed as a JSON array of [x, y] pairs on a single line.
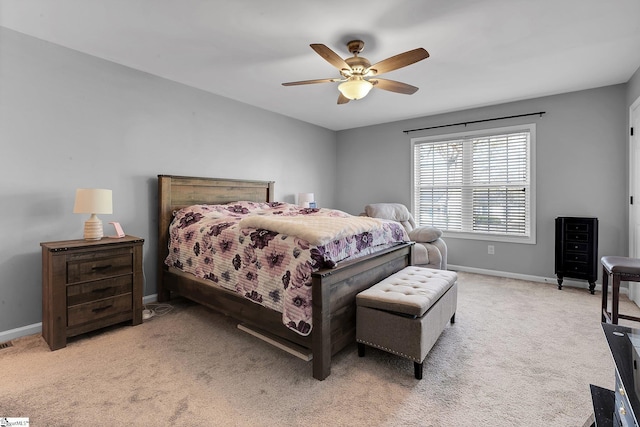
[[410, 291], [620, 264]]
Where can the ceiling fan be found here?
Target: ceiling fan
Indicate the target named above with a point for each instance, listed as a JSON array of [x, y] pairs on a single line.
[[359, 76]]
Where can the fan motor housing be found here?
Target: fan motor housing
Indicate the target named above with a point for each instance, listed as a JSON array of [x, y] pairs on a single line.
[[358, 64]]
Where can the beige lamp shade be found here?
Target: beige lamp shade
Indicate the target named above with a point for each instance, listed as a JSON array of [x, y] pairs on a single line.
[[93, 201], [305, 198]]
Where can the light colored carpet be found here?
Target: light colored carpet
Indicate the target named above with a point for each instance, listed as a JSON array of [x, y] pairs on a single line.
[[519, 354]]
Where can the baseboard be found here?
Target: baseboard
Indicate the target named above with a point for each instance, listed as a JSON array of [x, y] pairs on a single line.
[[150, 299], [531, 278], [36, 328], [22, 331]]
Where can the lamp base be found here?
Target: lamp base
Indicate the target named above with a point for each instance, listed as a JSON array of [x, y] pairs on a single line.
[[93, 228]]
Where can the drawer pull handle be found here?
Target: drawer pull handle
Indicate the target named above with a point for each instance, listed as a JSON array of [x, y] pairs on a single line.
[[102, 289], [101, 267], [98, 310]]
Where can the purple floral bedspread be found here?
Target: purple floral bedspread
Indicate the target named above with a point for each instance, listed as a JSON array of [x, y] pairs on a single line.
[[268, 268]]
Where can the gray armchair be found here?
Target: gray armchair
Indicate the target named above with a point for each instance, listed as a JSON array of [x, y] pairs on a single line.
[[430, 250]]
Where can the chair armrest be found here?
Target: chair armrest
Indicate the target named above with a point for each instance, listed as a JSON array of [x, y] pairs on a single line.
[[425, 234]]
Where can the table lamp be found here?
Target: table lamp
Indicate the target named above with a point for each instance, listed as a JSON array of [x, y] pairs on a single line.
[[93, 201], [306, 200]]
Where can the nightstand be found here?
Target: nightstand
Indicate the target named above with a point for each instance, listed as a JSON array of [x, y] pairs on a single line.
[[88, 285]]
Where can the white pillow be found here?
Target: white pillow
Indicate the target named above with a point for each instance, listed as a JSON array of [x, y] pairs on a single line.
[[425, 234], [392, 211]]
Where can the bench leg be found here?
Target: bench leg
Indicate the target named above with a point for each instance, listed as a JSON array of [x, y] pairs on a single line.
[[360, 349], [417, 369]]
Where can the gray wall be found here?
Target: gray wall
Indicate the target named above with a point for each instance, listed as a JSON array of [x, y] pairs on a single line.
[[581, 158], [633, 88], [69, 120]]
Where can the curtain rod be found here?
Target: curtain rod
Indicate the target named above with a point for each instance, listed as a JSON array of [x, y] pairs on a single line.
[[477, 121]]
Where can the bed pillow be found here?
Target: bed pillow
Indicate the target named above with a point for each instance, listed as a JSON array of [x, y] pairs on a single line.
[[425, 234], [393, 211]]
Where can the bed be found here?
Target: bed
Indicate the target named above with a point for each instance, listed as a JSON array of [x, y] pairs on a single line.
[[333, 289]]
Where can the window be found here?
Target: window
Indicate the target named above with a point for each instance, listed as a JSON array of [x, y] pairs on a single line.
[[477, 185]]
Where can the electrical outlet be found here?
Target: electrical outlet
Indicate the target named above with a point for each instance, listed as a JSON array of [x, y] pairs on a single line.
[[491, 250]]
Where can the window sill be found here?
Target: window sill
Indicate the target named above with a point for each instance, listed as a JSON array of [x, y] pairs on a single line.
[[490, 237]]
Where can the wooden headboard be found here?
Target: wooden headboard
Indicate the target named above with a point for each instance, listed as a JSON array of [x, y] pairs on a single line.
[[176, 192]]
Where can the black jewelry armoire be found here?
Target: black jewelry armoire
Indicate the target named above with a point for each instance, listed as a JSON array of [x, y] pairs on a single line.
[[577, 249]]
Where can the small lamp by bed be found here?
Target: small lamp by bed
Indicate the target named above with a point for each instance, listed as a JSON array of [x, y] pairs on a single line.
[[306, 200], [93, 201]]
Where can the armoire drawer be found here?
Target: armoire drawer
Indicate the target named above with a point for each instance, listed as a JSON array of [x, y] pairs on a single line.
[[576, 247]]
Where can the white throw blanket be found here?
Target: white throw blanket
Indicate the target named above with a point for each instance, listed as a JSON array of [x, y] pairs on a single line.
[[317, 230]]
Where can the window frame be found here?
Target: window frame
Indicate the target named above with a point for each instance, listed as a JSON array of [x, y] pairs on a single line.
[[479, 235]]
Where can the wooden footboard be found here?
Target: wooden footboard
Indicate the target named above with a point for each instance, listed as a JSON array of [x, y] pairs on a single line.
[[334, 301], [333, 291]]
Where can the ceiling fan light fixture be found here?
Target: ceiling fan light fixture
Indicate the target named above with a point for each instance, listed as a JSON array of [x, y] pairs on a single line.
[[355, 88], [355, 70]]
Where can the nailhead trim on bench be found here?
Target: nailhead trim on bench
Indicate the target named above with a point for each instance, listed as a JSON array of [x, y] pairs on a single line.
[[397, 353]]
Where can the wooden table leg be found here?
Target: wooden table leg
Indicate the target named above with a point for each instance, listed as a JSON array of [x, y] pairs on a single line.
[[615, 297], [605, 293]]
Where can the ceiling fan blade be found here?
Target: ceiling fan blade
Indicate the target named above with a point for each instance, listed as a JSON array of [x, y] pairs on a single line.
[[309, 82], [342, 99], [400, 60], [393, 86], [330, 56]]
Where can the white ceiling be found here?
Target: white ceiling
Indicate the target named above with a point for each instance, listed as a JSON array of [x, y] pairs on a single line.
[[483, 52]]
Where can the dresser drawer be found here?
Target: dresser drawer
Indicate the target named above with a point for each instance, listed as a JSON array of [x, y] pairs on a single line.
[[99, 265], [579, 227], [572, 236], [83, 313], [576, 257], [576, 267], [576, 247], [100, 289]]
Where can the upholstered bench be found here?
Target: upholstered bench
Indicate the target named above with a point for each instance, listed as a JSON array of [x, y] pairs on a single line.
[[405, 313]]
